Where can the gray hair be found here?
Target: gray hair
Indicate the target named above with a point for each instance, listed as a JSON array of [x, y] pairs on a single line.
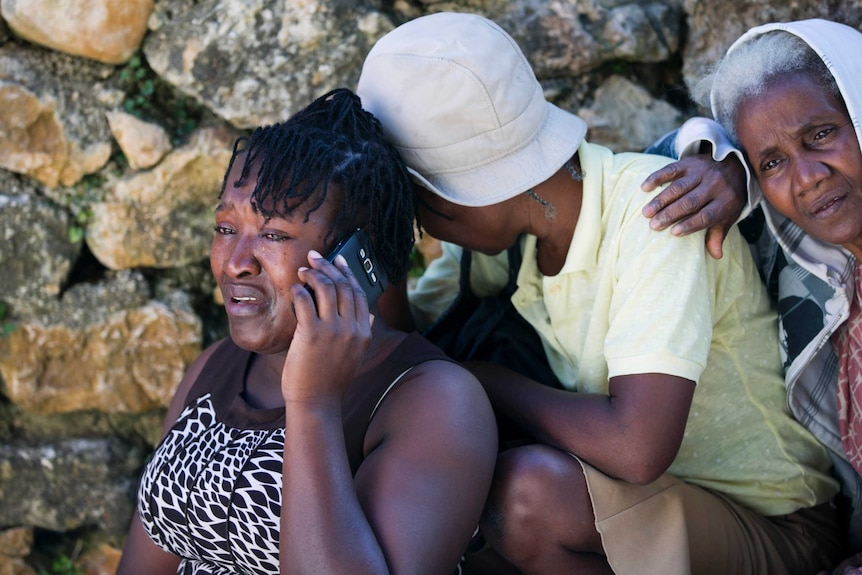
[[749, 69]]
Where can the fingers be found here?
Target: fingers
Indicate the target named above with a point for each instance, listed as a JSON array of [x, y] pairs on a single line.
[[702, 218], [665, 175], [683, 196], [360, 301], [336, 290], [714, 239], [665, 199], [701, 193], [303, 300], [683, 204]]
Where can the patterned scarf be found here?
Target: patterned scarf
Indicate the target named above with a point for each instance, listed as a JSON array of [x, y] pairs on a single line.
[[848, 345]]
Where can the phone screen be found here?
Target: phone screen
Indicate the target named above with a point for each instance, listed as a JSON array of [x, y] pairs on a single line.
[[356, 249]]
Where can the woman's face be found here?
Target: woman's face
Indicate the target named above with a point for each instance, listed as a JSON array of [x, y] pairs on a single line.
[[486, 229], [804, 153], [255, 262]]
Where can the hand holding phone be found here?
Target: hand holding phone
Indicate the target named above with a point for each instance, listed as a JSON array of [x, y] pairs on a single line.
[[337, 320], [356, 250]]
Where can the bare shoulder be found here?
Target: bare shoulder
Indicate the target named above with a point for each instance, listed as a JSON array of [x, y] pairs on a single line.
[[439, 397], [445, 383]]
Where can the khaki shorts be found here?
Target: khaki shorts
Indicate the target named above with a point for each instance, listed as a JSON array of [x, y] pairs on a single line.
[[670, 527]]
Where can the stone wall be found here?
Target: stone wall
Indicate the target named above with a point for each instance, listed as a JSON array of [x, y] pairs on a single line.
[[116, 124]]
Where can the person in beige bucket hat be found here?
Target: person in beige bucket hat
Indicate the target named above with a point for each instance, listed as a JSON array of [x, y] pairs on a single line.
[[669, 450], [488, 145]]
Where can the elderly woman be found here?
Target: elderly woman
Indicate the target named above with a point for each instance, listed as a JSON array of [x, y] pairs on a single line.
[[315, 438], [790, 96]]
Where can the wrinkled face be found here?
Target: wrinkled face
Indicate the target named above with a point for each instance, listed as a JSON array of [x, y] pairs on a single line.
[[804, 153], [486, 229], [255, 262]]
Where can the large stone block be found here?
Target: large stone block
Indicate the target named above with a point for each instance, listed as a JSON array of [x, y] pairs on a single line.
[[259, 61], [36, 250], [163, 218], [52, 125], [126, 358], [108, 31], [69, 484]]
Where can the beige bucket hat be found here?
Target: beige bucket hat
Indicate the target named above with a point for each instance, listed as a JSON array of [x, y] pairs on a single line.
[[461, 103]]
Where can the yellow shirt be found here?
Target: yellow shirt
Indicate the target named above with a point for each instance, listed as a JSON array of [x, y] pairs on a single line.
[[632, 300]]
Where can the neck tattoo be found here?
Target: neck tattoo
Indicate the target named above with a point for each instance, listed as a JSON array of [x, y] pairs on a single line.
[[550, 209], [574, 168], [575, 171]]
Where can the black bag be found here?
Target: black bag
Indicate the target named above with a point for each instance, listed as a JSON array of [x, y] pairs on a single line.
[[490, 329]]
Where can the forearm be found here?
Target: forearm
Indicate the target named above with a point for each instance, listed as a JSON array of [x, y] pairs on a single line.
[[615, 434], [577, 423], [323, 526]]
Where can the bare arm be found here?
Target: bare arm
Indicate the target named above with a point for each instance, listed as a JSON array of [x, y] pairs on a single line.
[[633, 434], [430, 451], [418, 495]]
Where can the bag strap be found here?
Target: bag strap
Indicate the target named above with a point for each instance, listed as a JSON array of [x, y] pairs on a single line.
[[464, 280], [514, 267]]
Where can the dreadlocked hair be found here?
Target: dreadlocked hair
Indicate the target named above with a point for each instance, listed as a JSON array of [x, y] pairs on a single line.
[[333, 141]]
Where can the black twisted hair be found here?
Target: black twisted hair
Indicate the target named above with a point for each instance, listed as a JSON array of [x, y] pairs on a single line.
[[333, 141]]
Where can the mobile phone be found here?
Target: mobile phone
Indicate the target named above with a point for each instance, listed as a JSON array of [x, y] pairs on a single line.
[[356, 250]]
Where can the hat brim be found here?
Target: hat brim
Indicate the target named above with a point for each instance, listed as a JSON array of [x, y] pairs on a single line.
[[501, 179]]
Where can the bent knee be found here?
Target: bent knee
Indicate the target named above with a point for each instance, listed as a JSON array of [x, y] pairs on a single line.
[[532, 485]]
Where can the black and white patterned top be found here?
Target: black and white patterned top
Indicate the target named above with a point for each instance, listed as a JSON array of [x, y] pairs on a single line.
[[211, 494]]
